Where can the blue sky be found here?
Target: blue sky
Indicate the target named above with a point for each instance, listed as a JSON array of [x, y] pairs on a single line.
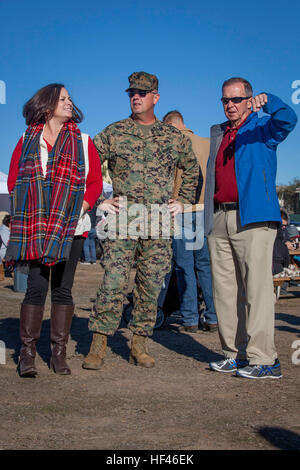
[[93, 46]]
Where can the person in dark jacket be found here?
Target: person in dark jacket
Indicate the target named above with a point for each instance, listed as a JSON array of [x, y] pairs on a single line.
[[281, 257]]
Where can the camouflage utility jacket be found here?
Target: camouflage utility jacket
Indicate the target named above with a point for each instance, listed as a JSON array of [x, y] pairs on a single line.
[[142, 165]]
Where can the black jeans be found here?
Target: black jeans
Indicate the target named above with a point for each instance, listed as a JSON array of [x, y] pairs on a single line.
[[62, 278]]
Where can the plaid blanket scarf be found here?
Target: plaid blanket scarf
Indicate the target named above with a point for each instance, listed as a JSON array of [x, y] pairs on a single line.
[[46, 208]]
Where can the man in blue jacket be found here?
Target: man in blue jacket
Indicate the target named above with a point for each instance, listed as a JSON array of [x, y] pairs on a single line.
[[241, 217]]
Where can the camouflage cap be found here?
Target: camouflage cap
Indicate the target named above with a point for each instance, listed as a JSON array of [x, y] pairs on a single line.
[[143, 81]]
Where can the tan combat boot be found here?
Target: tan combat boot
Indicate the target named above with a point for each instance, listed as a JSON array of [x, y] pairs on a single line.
[[95, 358], [2, 272], [138, 354]]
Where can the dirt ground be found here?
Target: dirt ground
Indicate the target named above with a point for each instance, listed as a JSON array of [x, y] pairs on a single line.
[[179, 404]]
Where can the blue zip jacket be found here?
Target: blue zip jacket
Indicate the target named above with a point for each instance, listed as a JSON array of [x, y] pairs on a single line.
[[255, 163]]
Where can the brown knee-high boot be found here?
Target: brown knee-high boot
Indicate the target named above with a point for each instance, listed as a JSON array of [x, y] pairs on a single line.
[[31, 317], [61, 319]]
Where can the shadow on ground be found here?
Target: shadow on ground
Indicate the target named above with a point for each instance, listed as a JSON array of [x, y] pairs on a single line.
[[170, 337], [281, 438], [292, 320]]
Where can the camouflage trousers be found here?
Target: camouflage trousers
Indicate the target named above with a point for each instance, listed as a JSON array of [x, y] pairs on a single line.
[[152, 260]]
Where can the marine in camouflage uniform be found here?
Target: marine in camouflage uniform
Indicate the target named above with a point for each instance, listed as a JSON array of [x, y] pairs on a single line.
[[141, 161]]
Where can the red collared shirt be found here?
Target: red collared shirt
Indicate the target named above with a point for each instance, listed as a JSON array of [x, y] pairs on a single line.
[[225, 178]]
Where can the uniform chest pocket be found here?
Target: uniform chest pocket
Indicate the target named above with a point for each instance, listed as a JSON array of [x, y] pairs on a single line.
[[167, 160], [119, 161]]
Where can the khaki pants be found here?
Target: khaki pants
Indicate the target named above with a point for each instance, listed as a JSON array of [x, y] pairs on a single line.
[[241, 261]]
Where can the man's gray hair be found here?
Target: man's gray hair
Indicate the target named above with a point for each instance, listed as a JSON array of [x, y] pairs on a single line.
[[233, 80]]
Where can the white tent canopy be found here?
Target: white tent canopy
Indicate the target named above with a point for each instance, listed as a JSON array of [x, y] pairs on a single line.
[[4, 197], [3, 183]]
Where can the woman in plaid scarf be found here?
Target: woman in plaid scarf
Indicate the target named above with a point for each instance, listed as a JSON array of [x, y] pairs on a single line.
[[51, 190]]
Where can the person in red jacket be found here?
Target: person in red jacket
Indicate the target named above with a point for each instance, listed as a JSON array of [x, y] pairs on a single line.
[[54, 179]]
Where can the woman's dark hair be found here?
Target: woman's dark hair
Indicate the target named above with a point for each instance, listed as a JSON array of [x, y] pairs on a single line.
[[6, 220], [41, 106]]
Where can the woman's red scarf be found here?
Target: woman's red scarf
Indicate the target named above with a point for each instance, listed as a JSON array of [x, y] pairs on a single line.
[[46, 208]]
